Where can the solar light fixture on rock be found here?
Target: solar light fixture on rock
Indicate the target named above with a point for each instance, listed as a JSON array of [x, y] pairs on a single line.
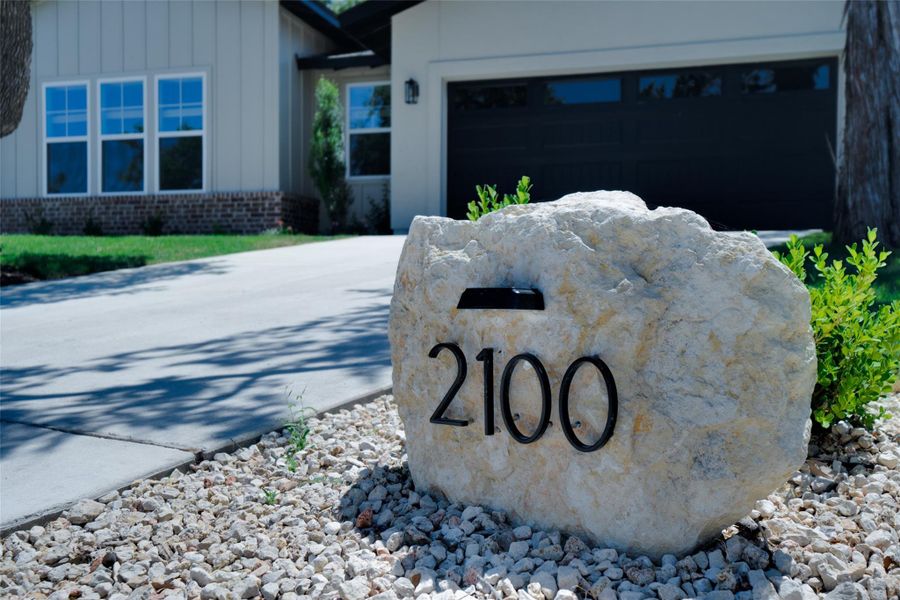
[[652, 376]]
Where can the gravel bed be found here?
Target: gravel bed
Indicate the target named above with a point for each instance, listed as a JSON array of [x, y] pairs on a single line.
[[347, 523]]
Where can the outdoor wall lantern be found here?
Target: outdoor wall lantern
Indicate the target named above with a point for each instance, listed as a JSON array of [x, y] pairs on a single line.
[[412, 91]]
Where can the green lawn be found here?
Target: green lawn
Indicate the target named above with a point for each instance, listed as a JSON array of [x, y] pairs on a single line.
[[28, 257], [887, 286]]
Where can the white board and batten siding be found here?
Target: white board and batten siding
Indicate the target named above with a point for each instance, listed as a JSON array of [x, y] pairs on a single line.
[[233, 44], [296, 103]]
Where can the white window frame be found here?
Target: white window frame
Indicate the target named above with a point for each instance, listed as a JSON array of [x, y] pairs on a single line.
[[204, 170], [101, 137], [46, 141], [347, 130]]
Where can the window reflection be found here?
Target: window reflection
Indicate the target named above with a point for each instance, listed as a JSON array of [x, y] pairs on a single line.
[[181, 163], [123, 165], [66, 108], [683, 85], [369, 118], [181, 104], [181, 133], [121, 107], [583, 91], [370, 106], [67, 168], [768, 80], [66, 143], [122, 118], [370, 154], [493, 96]]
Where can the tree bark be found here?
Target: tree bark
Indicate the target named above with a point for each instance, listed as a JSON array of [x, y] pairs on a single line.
[[868, 187], [15, 61]]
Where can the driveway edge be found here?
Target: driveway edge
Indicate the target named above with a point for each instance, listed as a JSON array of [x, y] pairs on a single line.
[[54, 512]]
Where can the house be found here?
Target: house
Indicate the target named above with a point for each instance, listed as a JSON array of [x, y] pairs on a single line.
[[200, 112]]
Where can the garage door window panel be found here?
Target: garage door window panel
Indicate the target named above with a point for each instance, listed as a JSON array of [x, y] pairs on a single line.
[[369, 129], [789, 78], [582, 91], [474, 98], [666, 86]]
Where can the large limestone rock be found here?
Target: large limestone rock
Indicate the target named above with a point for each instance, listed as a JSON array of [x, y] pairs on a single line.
[[706, 334]]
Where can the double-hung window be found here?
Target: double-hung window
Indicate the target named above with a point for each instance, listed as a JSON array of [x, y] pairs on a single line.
[[122, 136], [66, 138], [180, 132], [368, 129]]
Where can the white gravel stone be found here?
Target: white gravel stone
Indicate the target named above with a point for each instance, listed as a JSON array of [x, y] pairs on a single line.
[[270, 591], [888, 459], [201, 576], [403, 587], [766, 508], [247, 587], [518, 550], [223, 541], [84, 511], [567, 578], [547, 583], [355, 589], [522, 532]]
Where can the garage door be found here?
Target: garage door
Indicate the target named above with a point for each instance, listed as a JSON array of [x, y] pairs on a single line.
[[747, 146]]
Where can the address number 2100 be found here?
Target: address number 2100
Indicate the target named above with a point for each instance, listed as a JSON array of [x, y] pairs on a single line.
[[486, 356]]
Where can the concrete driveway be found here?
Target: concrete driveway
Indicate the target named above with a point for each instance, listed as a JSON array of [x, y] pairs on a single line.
[[119, 375]]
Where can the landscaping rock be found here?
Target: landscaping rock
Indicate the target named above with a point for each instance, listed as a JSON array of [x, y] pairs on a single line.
[[706, 334], [84, 511], [222, 526]]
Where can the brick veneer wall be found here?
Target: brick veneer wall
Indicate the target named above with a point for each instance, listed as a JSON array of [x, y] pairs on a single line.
[[237, 212]]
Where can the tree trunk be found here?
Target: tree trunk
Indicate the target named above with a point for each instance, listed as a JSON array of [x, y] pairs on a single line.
[[868, 188], [15, 61]]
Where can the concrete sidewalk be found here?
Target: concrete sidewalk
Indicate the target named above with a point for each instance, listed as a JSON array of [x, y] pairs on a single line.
[[120, 375]]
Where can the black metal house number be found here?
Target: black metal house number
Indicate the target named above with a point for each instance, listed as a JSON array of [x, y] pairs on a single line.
[[486, 356]]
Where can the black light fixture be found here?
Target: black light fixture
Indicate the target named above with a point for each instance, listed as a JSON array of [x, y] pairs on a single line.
[[411, 88]]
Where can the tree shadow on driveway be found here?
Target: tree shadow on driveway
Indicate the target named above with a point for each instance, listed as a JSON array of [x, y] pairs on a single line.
[[200, 395], [108, 283]]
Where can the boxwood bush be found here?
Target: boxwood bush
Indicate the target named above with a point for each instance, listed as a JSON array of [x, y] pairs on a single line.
[[857, 341], [489, 201]]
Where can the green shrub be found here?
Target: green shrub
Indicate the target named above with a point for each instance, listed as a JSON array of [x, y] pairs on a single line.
[[488, 200], [378, 217], [857, 341], [154, 224], [326, 154], [37, 223], [92, 227]]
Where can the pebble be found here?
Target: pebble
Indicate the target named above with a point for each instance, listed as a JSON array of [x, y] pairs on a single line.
[[888, 459], [831, 531], [84, 511]]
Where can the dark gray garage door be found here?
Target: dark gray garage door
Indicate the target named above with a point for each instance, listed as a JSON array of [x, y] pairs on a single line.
[[747, 146]]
